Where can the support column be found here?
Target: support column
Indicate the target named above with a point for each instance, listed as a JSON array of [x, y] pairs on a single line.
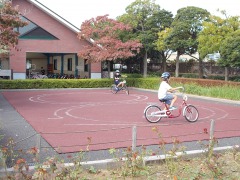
[[76, 64], [48, 59], [62, 64], [95, 70], [18, 64], [48, 62]]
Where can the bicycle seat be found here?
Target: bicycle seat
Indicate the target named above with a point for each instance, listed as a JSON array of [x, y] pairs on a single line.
[[162, 100]]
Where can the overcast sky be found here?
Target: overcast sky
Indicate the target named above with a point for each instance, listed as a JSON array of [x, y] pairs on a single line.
[[77, 11]]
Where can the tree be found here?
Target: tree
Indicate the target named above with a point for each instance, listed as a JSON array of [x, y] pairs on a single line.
[[162, 47], [186, 26], [9, 19], [106, 43], [214, 33], [230, 51], [147, 19], [159, 24]]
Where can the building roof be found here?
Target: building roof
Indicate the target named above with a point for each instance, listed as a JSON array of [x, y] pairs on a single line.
[[54, 15], [58, 18]]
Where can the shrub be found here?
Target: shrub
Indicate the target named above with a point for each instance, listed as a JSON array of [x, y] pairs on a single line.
[[54, 83]]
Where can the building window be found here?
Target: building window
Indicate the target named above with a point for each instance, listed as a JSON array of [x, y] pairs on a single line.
[[69, 64], [55, 64], [85, 66], [33, 31]]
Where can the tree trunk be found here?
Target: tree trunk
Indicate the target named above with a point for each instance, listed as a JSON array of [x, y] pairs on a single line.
[[210, 70], [164, 64], [109, 70], [200, 75], [128, 67], [145, 65], [177, 65], [89, 70], [163, 61], [226, 73]]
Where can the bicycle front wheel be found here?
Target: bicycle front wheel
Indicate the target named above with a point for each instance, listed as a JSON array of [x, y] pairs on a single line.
[[190, 113], [126, 90], [152, 113]]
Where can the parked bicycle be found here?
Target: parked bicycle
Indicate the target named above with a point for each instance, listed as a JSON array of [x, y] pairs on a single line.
[[153, 113], [116, 89], [37, 75]]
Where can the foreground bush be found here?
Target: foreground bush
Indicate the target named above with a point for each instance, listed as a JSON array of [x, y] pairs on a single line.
[[130, 164]]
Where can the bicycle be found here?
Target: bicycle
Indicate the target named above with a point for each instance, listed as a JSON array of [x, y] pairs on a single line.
[[154, 114], [115, 89], [36, 75]]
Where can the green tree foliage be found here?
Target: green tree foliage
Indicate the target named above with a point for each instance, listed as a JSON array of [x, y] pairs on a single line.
[[162, 47], [215, 38], [162, 21], [214, 32], [9, 19], [186, 26], [147, 19], [230, 50]]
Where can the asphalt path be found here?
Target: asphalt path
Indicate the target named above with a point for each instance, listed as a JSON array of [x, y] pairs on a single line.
[[224, 112]]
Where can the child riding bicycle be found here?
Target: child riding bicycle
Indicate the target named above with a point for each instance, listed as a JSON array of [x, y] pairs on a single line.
[[165, 91], [117, 80]]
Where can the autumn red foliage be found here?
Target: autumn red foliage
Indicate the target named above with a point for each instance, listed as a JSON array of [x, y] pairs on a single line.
[[105, 43], [9, 19]]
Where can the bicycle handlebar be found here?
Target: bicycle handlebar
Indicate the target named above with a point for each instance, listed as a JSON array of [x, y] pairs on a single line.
[[183, 89], [180, 87]]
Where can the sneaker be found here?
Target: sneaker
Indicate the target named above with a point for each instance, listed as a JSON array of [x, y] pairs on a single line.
[[172, 108]]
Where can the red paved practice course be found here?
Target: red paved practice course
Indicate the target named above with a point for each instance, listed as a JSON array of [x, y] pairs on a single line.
[[71, 119]]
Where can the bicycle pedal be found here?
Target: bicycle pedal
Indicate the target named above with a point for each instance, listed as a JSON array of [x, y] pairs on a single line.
[[172, 108]]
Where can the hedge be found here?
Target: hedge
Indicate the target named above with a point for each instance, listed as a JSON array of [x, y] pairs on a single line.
[[54, 83], [146, 83]]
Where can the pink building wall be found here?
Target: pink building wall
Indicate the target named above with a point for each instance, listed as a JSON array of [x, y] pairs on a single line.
[[67, 43]]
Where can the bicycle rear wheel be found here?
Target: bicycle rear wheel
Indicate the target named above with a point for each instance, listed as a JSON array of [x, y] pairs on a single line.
[[190, 113], [152, 113], [113, 89]]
